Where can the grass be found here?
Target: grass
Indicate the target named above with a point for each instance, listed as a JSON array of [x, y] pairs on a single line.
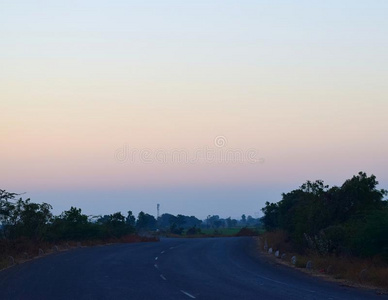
[[354, 271]]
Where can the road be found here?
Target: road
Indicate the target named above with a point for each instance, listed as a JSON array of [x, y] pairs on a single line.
[[209, 268]]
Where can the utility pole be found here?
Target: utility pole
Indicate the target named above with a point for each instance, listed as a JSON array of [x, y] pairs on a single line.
[[158, 208]]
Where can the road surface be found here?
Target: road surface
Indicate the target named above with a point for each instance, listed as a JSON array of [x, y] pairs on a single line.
[[209, 268]]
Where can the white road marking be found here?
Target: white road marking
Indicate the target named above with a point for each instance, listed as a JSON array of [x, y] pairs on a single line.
[[162, 252], [161, 276], [156, 266], [156, 258], [171, 248], [188, 295]]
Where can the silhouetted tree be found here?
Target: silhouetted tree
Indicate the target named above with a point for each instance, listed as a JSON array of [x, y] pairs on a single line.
[[145, 222], [130, 220]]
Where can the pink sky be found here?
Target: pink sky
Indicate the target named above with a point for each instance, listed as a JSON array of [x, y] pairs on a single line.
[[312, 100]]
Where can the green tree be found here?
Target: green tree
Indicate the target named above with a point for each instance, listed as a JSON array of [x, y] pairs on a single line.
[[72, 224], [346, 218], [28, 219], [145, 222]]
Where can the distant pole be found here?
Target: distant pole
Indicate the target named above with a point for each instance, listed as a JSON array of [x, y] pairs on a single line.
[[158, 208]]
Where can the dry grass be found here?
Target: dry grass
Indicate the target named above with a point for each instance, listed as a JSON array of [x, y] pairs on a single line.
[[24, 249], [354, 271]]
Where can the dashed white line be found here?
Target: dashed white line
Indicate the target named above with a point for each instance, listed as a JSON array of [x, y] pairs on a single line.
[[161, 276], [188, 295], [162, 252], [156, 258], [156, 266], [171, 248]]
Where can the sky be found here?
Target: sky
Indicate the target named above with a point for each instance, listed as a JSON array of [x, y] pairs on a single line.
[[206, 107]]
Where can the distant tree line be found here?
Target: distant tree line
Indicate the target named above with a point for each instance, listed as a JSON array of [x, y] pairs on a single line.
[[348, 220], [191, 225], [178, 224], [25, 219], [216, 222]]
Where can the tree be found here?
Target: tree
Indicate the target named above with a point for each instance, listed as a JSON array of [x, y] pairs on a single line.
[[165, 221], [271, 216], [130, 220], [74, 215], [214, 221], [145, 222], [180, 220], [191, 222], [342, 217], [71, 225], [243, 219], [28, 219], [117, 225], [6, 210]]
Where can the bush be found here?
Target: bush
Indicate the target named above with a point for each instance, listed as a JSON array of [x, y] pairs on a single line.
[[370, 235], [193, 231], [349, 219], [247, 232], [336, 235]]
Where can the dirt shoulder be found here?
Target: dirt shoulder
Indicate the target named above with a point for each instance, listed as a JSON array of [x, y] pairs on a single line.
[[351, 272]]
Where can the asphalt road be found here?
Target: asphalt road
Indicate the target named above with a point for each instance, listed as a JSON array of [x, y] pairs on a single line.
[[212, 268]]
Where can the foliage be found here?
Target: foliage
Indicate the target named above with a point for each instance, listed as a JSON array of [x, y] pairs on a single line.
[[177, 224], [193, 231], [23, 219], [145, 222], [352, 218], [130, 219], [214, 221], [116, 225], [369, 234]]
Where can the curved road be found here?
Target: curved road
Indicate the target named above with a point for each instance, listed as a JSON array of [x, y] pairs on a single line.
[[211, 268]]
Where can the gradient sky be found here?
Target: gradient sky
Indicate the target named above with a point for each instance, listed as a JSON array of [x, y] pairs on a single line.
[[305, 83]]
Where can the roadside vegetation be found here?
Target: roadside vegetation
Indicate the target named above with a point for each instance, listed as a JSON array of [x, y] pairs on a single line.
[[29, 229], [342, 230]]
